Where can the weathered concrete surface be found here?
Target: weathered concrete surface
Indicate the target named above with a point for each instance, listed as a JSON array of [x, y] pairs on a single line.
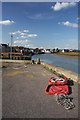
[[69, 74], [23, 93]]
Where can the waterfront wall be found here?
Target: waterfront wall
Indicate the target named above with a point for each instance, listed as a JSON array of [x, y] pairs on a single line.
[[69, 74], [16, 61]]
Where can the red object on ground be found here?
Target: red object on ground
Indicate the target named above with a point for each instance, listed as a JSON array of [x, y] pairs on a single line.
[[58, 81], [53, 89]]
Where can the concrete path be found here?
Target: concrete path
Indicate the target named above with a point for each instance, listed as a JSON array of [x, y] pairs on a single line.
[[23, 93]]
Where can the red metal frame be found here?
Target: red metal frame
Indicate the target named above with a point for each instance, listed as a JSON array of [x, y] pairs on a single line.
[[58, 82], [64, 91]]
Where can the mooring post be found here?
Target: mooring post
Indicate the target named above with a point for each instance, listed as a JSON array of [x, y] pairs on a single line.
[[38, 60]]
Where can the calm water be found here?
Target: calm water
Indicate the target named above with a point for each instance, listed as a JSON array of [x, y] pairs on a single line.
[[64, 62]]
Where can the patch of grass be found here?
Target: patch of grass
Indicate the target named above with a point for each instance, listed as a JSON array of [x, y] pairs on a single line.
[[17, 62], [44, 66], [69, 78], [61, 75], [69, 53], [27, 63], [50, 69], [9, 62], [47, 67], [53, 71]]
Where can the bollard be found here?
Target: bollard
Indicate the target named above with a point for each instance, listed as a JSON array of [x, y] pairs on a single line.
[[32, 61], [38, 60]]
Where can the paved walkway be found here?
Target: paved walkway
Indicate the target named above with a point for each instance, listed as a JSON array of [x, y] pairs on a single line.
[[24, 93]]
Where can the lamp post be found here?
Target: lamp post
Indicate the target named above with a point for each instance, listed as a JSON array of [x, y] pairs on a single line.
[[11, 46]]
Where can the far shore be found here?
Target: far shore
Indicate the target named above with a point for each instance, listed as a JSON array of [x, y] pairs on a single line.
[[68, 56]]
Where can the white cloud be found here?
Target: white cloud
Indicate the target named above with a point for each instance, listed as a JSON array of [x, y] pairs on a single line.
[[30, 46], [32, 35], [41, 16], [14, 33], [6, 22], [23, 37], [78, 18], [21, 41], [58, 22], [58, 6], [17, 38], [41, 47], [67, 23], [29, 35], [18, 31], [25, 30], [22, 33]]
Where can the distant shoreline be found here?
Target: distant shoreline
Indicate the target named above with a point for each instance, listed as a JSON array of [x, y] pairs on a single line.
[[68, 56]]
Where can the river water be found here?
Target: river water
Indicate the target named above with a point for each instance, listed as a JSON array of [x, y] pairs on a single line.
[[60, 61]]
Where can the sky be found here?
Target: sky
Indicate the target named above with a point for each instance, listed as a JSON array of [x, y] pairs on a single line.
[[40, 24]]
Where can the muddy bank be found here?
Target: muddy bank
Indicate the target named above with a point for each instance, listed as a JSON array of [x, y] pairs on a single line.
[[68, 56]]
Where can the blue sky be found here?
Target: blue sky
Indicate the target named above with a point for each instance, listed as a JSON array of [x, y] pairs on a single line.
[[40, 24]]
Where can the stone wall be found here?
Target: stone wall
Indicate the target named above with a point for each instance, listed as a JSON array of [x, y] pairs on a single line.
[[69, 74]]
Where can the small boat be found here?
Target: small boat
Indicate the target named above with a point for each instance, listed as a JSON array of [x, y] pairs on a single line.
[[58, 80], [53, 89]]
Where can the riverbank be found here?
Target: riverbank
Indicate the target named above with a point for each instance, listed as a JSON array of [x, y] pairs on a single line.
[[74, 55], [62, 72], [68, 56]]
